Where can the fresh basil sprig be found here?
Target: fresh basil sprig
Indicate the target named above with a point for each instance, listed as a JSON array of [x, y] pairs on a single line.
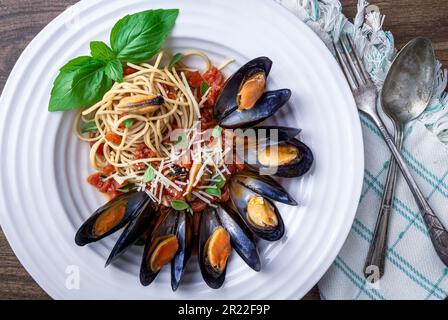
[[136, 38], [101, 51]]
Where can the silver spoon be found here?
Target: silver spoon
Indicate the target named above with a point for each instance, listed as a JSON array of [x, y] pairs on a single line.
[[406, 93]]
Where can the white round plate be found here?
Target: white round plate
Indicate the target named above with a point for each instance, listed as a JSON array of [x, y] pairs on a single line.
[[44, 197]]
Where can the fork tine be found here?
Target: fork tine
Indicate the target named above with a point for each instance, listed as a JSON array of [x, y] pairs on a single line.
[[358, 60], [347, 72]]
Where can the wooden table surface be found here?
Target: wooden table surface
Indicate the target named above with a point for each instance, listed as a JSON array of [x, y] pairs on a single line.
[[21, 20]]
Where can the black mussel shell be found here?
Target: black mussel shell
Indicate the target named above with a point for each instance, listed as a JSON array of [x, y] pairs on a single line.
[[129, 206], [265, 107], [164, 226], [294, 168], [227, 99], [241, 196], [241, 237], [135, 229], [184, 232], [264, 186], [209, 223], [276, 133]]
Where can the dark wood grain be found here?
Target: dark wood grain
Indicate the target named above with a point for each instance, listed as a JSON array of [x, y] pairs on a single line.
[[21, 20]]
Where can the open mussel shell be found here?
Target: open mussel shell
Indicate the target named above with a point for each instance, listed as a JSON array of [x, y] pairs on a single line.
[[265, 107], [111, 217], [227, 100], [214, 248], [184, 233], [134, 230], [240, 236], [264, 186], [286, 159], [258, 212], [161, 246]]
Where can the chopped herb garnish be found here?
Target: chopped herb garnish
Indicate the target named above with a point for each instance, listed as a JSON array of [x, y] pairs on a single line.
[[221, 181], [180, 205], [128, 123], [149, 175], [176, 58], [127, 188], [204, 87], [215, 191], [89, 127], [216, 132], [181, 140]]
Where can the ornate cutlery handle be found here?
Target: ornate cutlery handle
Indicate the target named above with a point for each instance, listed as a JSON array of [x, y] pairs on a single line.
[[437, 232], [377, 251]]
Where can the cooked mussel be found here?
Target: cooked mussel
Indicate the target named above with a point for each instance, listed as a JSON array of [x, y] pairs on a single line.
[[139, 104], [160, 248], [134, 231], [258, 212], [111, 217], [265, 107], [243, 87], [214, 248], [271, 150], [287, 159], [265, 186], [240, 236], [184, 233]]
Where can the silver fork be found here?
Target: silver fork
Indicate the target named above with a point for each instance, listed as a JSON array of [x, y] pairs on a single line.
[[366, 96]]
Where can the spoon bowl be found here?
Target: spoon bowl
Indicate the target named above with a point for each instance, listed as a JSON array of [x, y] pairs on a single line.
[[409, 83]]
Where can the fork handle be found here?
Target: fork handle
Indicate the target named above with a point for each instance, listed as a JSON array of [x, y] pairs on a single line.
[[377, 250], [437, 232]]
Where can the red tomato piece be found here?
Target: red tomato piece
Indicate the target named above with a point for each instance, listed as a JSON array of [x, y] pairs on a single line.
[[108, 170], [194, 79], [198, 205], [129, 70], [113, 137]]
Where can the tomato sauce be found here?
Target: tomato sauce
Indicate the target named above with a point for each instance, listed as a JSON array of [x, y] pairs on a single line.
[[108, 186], [143, 152]]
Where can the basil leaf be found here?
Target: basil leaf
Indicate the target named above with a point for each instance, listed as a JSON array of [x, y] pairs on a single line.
[[128, 123], [215, 191], [89, 127], [216, 132], [138, 37], [221, 182], [176, 58], [179, 205], [149, 175], [114, 70], [204, 87], [127, 188], [81, 82], [101, 51]]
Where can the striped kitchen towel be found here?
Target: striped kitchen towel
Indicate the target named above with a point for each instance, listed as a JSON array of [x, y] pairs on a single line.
[[413, 270]]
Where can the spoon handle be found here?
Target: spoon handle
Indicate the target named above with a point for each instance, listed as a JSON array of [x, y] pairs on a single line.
[[437, 232], [377, 251]]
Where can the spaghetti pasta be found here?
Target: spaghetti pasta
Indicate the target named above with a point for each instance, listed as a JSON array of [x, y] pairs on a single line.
[[127, 143]]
